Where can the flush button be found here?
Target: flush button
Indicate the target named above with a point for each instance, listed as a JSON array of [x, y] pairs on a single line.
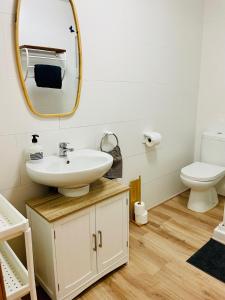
[[219, 133]]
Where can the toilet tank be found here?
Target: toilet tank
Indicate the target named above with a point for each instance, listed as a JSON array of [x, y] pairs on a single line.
[[213, 147]]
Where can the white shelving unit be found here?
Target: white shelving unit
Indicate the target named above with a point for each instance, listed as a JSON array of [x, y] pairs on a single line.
[[18, 280]]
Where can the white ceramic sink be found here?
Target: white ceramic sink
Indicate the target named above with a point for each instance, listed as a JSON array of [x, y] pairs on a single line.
[[73, 179]]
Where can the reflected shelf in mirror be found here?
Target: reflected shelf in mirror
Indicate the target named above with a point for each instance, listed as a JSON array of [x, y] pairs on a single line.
[[42, 53]]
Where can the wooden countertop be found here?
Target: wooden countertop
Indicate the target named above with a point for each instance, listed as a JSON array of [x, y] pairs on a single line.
[[56, 206]]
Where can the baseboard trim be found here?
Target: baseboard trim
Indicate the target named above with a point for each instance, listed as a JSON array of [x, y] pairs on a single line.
[[219, 233], [168, 199]]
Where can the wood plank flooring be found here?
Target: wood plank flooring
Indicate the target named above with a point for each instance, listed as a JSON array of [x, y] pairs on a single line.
[[158, 254]]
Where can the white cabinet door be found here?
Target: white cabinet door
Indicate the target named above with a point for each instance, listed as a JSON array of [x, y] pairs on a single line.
[[75, 250], [112, 231]]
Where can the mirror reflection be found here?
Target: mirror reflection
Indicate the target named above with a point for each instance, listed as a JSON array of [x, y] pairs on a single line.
[[49, 55]]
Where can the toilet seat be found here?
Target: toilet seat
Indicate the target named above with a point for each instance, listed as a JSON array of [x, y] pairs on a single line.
[[202, 172]]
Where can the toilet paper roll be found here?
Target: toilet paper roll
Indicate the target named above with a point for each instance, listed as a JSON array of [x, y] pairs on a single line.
[[142, 219], [139, 208], [152, 139]]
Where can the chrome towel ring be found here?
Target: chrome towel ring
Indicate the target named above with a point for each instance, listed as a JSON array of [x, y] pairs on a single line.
[[108, 134]]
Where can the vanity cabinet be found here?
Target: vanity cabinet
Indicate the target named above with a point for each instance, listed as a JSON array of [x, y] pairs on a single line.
[[73, 251], [111, 230]]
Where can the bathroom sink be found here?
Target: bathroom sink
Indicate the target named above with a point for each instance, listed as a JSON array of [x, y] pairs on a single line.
[[72, 175]]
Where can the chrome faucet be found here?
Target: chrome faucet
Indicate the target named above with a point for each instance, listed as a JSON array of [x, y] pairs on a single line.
[[63, 149]]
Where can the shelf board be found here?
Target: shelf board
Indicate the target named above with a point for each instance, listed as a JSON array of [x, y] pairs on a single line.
[[12, 222], [14, 273], [42, 48]]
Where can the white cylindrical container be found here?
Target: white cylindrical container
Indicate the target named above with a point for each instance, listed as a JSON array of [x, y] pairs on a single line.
[[142, 219], [139, 208]]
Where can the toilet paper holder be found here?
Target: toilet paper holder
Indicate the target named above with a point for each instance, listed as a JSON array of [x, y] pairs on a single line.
[[146, 138], [152, 139]]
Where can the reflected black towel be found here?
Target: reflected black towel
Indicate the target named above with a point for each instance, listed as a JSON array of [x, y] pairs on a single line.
[[48, 76]]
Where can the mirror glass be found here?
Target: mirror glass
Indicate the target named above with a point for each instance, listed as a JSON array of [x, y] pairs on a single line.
[[49, 55]]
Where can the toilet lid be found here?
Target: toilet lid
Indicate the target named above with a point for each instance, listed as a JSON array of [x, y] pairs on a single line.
[[199, 171]]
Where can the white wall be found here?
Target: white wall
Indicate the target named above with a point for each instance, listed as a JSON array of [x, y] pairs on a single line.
[[141, 71], [211, 104]]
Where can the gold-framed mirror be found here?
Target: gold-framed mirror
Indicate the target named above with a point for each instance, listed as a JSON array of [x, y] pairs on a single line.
[[49, 56]]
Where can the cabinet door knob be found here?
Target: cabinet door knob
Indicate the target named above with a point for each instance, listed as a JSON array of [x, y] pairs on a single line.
[[95, 242], [100, 239]]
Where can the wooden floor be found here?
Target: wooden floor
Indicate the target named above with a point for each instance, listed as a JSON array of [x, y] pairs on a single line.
[[158, 254]]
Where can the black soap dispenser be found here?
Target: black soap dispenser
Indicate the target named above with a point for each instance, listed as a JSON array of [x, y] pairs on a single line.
[[35, 151]]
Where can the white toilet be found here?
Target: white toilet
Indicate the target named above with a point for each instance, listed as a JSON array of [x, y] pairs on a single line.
[[202, 177]]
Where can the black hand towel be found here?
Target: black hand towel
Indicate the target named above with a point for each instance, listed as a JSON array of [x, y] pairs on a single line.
[[117, 167], [48, 76]]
